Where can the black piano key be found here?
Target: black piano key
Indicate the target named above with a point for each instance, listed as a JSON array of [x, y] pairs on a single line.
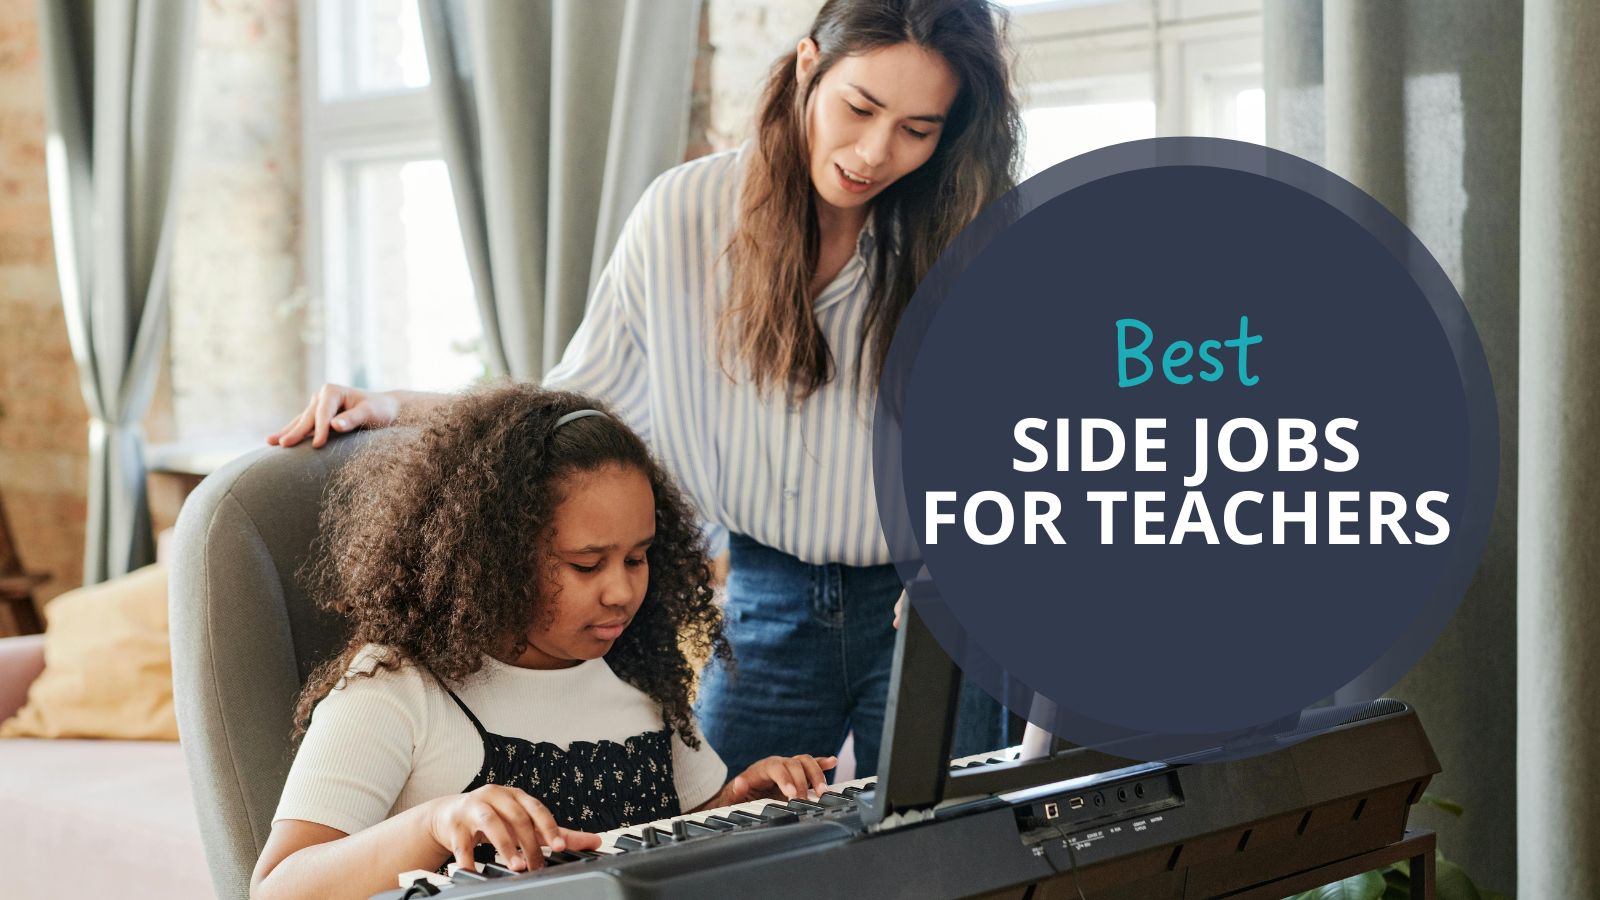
[[720, 823], [805, 806], [852, 792], [418, 889], [772, 812], [494, 870], [695, 829], [870, 786], [833, 800], [630, 842], [463, 876], [740, 817], [558, 857], [680, 831], [589, 854]]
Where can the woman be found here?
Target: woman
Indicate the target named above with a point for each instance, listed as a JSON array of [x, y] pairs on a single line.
[[741, 326]]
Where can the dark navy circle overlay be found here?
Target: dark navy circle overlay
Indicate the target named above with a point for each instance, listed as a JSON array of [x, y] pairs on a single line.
[[1153, 650]]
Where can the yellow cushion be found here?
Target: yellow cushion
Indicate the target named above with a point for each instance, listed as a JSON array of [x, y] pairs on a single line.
[[107, 666]]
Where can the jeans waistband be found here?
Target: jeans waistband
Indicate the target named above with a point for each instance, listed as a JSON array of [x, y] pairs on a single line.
[[769, 579]]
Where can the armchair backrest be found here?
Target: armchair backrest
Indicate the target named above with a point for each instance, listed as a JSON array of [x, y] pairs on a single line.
[[244, 638]]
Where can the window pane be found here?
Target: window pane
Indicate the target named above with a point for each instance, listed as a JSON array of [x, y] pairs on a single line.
[[370, 47], [1250, 116], [1055, 133], [408, 316]]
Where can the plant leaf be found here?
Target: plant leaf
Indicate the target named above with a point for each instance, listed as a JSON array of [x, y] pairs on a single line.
[[1451, 883], [1366, 886], [1449, 806], [1398, 884]]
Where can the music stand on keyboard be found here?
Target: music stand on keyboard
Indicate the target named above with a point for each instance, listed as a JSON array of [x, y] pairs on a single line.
[[919, 724]]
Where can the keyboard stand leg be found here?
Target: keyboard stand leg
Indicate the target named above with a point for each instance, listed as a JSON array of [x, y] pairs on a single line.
[[1422, 876]]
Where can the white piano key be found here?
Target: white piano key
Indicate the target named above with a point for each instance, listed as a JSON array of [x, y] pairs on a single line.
[[407, 879], [609, 839]]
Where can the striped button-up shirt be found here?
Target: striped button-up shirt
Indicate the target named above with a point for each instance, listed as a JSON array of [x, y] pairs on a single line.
[[795, 476]]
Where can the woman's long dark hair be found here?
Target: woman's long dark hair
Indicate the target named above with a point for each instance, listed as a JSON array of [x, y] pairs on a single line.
[[432, 543], [769, 327]]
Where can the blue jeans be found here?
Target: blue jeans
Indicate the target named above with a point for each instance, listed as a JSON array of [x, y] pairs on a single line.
[[813, 646]]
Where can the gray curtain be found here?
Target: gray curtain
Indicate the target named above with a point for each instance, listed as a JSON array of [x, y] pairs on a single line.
[[1477, 121], [556, 115], [115, 72], [1558, 584]]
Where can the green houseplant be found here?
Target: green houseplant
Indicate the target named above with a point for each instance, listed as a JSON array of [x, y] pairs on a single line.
[[1394, 882]]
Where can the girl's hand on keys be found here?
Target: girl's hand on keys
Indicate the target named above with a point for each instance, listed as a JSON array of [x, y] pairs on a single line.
[[506, 817], [780, 777]]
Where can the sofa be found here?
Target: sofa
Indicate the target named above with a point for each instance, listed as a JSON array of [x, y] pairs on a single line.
[[86, 818]]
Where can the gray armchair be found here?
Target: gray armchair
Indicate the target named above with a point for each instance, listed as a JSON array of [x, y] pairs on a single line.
[[244, 639]]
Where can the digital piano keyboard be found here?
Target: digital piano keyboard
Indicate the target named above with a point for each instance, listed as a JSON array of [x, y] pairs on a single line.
[[1203, 826]]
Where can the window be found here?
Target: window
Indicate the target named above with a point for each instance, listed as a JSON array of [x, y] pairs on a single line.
[[1099, 72], [383, 251]]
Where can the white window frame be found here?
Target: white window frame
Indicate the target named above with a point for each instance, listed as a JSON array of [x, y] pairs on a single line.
[[1185, 49], [397, 124]]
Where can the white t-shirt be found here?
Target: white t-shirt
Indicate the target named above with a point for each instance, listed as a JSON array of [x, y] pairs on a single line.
[[380, 745]]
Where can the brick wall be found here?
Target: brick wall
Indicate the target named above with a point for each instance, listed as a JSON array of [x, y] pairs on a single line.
[[238, 357], [747, 36], [236, 320], [43, 425]]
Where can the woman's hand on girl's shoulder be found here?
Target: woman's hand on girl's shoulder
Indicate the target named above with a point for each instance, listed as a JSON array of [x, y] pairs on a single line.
[[339, 408], [779, 777], [509, 818]]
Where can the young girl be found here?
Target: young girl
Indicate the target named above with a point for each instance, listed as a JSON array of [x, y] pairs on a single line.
[[527, 588], [741, 325]]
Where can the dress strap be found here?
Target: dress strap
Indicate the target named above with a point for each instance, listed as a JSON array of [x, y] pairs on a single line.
[[470, 717]]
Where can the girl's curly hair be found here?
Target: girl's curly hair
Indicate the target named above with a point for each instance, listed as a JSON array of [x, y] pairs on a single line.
[[431, 544]]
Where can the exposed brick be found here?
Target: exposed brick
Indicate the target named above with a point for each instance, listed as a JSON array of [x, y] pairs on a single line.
[[747, 37], [43, 427]]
